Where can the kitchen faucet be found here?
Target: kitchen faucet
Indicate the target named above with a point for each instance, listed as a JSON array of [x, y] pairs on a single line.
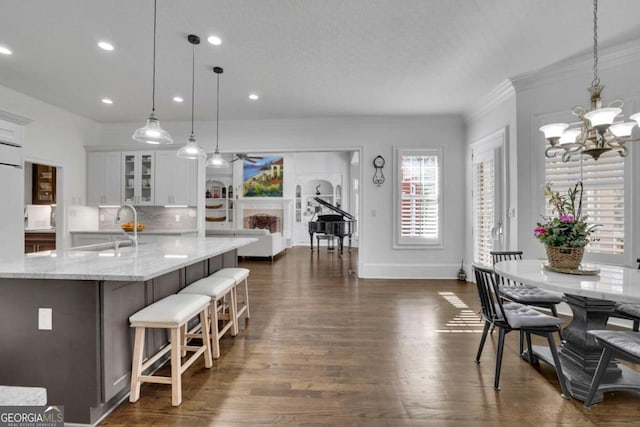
[[135, 223]]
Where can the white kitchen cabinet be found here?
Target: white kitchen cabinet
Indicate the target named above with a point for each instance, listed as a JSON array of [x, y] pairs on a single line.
[[104, 178], [175, 180], [138, 183]]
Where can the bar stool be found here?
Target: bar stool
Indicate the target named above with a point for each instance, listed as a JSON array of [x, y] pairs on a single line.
[[240, 276], [173, 313], [218, 289]]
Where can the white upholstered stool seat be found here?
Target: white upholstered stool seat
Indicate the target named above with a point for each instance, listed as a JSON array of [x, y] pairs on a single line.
[[217, 288], [22, 396], [240, 275], [173, 313]]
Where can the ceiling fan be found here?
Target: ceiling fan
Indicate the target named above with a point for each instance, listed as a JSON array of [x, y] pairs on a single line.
[[243, 156]]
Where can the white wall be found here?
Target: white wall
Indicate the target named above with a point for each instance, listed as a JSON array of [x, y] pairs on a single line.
[[495, 112], [55, 137], [373, 135]]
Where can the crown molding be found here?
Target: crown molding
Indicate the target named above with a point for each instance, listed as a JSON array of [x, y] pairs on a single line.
[[14, 118], [497, 96], [610, 57]]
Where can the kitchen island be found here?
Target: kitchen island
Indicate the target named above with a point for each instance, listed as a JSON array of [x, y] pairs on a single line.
[[80, 350]]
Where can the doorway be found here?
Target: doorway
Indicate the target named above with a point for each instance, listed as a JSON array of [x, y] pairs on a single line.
[[488, 196], [41, 193]]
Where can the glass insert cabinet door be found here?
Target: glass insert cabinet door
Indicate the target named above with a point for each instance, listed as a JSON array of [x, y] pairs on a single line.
[[138, 182]]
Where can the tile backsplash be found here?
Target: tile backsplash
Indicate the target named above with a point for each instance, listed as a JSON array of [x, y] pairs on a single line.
[[153, 217]]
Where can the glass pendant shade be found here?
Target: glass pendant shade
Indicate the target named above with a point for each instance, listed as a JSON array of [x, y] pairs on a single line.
[[554, 130], [569, 136], [602, 116], [635, 117], [622, 130], [190, 151], [152, 133], [216, 161]]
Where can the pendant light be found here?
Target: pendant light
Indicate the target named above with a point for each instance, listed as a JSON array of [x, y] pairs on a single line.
[[152, 133], [191, 150], [216, 160]]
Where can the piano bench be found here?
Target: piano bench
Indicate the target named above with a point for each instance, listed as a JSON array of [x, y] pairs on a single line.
[[330, 238]]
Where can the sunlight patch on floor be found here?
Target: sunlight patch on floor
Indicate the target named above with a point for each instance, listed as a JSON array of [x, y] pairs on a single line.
[[465, 320]]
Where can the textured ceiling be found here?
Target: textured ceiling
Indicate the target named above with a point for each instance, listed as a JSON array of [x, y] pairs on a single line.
[[306, 58]]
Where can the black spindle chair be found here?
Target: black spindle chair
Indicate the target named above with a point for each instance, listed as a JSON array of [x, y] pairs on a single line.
[[524, 294], [628, 311], [513, 317]]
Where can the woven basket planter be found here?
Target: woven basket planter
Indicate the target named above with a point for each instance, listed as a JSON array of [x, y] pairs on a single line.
[[564, 257]]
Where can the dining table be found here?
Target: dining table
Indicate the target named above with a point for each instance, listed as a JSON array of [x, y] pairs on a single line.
[[592, 297]]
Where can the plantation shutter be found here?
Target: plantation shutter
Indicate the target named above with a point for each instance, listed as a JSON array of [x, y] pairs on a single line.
[[603, 200], [484, 208], [419, 200]]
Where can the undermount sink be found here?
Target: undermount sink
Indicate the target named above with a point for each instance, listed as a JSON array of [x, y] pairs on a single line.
[[98, 247]]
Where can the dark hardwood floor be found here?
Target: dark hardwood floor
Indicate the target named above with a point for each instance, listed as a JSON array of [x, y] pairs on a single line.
[[325, 348]]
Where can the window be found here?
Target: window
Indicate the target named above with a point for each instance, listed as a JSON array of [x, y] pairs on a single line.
[[603, 199], [418, 211], [483, 207]]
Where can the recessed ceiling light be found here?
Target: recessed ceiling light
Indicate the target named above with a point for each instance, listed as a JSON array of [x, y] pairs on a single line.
[[107, 101], [253, 96], [214, 40], [5, 51], [177, 99], [105, 45]]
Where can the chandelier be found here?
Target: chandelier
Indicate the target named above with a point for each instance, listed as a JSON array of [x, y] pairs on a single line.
[[596, 132]]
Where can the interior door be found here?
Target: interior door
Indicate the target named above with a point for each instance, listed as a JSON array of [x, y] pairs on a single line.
[[488, 229]]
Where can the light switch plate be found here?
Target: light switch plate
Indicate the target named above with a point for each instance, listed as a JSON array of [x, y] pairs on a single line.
[[45, 319]]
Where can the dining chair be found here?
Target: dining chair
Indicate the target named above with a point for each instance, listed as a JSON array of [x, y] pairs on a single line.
[[513, 317], [620, 344], [524, 294], [628, 311]]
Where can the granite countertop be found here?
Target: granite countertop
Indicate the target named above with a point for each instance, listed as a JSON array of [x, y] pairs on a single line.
[[127, 264], [39, 230], [116, 231]]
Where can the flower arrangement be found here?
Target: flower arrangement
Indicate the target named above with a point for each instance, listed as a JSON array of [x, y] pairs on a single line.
[[568, 228]]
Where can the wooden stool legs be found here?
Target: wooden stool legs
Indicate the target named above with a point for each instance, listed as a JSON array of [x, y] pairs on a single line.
[[176, 347]]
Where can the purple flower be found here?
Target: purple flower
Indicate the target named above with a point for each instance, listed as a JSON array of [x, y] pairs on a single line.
[[540, 231], [567, 219]]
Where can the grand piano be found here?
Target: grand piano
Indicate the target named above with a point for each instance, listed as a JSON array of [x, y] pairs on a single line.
[[333, 224]]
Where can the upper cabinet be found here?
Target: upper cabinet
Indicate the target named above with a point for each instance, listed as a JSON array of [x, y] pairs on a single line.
[[140, 178], [104, 178], [44, 185], [175, 179], [138, 172]]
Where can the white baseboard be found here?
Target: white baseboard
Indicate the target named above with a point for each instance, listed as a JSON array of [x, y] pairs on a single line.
[[409, 271]]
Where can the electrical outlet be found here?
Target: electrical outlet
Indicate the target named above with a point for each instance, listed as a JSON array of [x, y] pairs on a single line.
[[177, 218], [101, 217], [45, 319], [192, 213]]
